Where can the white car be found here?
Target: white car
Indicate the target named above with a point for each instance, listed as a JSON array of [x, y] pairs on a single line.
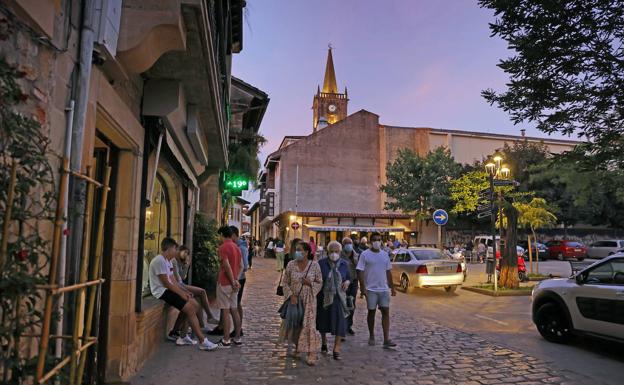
[[425, 267], [604, 248], [590, 302], [487, 239]]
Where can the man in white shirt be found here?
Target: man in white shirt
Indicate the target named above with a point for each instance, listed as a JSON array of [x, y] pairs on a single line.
[[165, 287], [376, 285]]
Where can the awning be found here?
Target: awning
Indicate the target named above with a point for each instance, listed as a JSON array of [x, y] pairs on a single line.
[[380, 229]]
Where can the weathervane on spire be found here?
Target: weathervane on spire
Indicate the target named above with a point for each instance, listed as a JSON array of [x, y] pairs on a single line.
[[330, 46]]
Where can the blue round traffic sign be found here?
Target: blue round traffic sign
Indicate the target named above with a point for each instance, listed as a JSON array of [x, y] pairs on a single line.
[[440, 217]]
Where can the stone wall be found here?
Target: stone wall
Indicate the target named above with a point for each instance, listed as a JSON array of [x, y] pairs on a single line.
[[338, 168]]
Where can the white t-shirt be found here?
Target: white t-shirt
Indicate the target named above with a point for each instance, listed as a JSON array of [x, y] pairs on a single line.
[[375, 265], [159, 265]]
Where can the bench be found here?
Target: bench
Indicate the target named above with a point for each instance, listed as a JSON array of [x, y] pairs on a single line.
[[578, 266]]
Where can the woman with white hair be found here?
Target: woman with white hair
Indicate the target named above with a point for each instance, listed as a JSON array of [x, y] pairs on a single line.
[[332, 310]]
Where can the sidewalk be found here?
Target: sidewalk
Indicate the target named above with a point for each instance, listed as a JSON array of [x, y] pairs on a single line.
[[428, 353]]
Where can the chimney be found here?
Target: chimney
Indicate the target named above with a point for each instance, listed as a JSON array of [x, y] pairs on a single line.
[[523, 132]]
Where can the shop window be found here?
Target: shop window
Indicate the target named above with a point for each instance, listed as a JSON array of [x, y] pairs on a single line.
[[157, 227]]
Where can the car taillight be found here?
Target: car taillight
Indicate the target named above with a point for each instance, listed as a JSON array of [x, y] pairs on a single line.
[[569, 248], [459, 269], [422, 269]]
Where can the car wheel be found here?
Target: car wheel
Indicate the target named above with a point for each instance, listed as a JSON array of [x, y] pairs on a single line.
[[560, 256], [522, 277], [552, 323], [580, 259], [404, 283], [450, 289]]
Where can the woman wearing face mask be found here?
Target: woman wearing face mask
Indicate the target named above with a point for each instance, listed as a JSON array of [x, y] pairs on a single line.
[[302, 282], [348, 254], [332, 308]]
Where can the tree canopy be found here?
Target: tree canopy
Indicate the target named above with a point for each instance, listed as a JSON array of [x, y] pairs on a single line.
[[567, 73], [420, 184]]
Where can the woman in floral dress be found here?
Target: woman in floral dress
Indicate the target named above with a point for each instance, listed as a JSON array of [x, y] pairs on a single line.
[[303, 274]]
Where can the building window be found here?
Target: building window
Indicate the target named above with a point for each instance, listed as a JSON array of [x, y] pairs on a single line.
[[157, 227]]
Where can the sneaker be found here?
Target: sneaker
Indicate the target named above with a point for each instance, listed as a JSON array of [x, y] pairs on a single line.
[[207, 345], [224, 344], [216, 332], [389, 344], [173, 336], [187, 340], [324, 349], [237, 341]]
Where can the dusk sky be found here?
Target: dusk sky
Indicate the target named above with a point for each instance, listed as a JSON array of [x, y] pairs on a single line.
[[418, 63]]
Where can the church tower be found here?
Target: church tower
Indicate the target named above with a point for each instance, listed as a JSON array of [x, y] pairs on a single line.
[[329, 105]]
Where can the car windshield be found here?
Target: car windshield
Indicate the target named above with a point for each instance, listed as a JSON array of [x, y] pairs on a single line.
[[574, 244], [425, 255]]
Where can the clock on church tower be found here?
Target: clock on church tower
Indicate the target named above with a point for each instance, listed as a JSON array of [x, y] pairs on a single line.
[[329, 106]]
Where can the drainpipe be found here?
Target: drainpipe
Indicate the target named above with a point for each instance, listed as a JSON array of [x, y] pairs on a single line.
[[58, 348], [77, 191]]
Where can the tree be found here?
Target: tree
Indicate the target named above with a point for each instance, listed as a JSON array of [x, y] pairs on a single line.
[[418, 185], [520, 156], [567, 72], [578, 195], [535, 215]]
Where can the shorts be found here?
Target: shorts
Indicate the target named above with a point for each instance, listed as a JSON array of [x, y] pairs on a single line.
[[240, 291], [226, 297], [376, 299], [173, 299]]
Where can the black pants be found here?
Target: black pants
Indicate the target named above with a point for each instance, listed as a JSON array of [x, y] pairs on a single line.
[[250, 257]]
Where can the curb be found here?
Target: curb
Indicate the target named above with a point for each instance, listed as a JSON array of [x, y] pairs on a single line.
[[506, 293]]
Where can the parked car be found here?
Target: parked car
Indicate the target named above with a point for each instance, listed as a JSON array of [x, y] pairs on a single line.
[[563, 248], [601, 249], [590, 302], [425, 267], [537, 249]]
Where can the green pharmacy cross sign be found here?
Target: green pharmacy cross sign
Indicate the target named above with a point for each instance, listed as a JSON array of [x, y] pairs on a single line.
[[235, 183]]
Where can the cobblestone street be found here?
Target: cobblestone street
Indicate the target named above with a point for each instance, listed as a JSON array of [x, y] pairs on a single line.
[[427, 353]]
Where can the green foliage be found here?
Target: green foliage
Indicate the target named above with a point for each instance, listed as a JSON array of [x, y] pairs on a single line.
[[243, 157], [578, 195], [535, 214], [464, 191], [520, 156], [419, 185], [26, 262], [205, 259], [567, 72]]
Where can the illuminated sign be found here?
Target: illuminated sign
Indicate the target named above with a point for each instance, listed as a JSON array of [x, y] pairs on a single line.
[[235, 182]]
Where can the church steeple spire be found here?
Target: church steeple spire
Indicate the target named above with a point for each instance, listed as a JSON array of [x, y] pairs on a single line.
[[329, 84]]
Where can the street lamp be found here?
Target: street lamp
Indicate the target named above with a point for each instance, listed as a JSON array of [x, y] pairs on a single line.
[[496, 170]]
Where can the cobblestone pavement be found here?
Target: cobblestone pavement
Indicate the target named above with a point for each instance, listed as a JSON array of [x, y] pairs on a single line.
[[427, 353]]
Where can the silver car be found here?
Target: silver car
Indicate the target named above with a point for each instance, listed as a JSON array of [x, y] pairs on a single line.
[[601, 249], [425, 267]]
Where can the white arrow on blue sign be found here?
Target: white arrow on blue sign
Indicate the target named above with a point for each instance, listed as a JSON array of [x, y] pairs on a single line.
[[440, 217]]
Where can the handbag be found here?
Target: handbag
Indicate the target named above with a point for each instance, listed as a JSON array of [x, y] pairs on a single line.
[[292, 314], [280, 289]]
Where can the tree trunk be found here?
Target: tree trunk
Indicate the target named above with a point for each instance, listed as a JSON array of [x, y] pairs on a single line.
[[509, 261]]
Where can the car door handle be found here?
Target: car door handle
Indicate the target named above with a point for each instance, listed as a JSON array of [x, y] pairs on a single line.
[[619, 293]]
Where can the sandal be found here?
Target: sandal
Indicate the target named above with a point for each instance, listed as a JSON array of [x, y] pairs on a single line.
[[311, 360], [337, 356]]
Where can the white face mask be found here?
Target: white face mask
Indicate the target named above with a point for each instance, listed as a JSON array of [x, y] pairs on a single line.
[[334, 256], [377, 245]]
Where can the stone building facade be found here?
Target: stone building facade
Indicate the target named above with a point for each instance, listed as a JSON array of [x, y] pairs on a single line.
[[328, 182], [149, 82]]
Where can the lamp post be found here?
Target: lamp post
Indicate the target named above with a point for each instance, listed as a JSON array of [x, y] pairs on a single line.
[[496, 170]]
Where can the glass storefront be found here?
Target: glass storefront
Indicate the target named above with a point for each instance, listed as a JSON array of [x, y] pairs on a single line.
[[157, 226]]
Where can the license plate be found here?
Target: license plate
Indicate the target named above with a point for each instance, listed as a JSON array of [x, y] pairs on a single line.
[[442, 269], [577, 250]]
